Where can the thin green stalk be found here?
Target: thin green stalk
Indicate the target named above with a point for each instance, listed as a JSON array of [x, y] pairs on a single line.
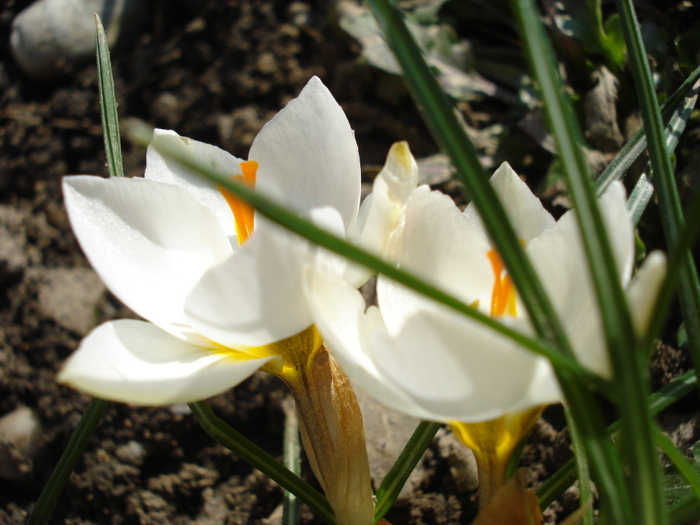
[[645, 478], [671, 213], [678, 459], [583, 472], [71, 454], [108, 104], [660, 400], [261, 460], [676, 112], [677, 259], [395, 479], [309, 231]]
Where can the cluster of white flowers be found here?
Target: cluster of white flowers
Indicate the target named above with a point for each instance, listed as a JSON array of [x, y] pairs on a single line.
[[222, 288]]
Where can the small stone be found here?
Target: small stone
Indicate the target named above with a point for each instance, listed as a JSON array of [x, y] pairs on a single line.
[[70, 297], [132, 453], [20, 436], [52, 36]]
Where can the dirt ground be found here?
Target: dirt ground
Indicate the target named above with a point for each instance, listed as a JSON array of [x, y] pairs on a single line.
[[215, 71]]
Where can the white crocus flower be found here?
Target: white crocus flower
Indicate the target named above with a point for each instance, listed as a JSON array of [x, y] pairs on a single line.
[[222, 288], [167, 246], [426, 360]]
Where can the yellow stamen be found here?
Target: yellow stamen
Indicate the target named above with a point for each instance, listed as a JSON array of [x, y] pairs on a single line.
[[503, 297], [243, 213]]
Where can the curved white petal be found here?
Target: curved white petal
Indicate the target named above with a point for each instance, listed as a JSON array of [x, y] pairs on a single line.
[[644, 289], [136, 362], [308, 156], [162, 169], [440, 244], [525, 211], [455, 368], [381, 210], [339, 313], [559, 260], [256, 296], [150, 242]]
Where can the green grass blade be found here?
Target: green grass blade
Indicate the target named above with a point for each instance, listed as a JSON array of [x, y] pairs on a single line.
[[71, 454], [261, 460], [678, 459], [395, 479], [645, 475], [660, 400], [142, 134], [685, 512], [664, 181], [639, 198], [108, 104], [676, 261], [676, 111]]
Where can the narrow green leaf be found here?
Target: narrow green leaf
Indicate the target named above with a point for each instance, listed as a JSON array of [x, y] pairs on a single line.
[[660, 400], [261, 460], [676, 261], [685, 512], [395, 479], [664, 181], [639, 198], [108, 103], [676, 111], [688, 471], [71, 454], [638, 446]]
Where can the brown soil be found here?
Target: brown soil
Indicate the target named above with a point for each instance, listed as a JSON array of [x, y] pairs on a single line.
[[215, 71]]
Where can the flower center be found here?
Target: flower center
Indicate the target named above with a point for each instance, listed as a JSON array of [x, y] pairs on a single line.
[[243, 213], [503, 297]]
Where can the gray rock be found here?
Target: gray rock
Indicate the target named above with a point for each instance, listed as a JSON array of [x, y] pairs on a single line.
[[52, 36], [387, 432], [20, 437], [70, 296]]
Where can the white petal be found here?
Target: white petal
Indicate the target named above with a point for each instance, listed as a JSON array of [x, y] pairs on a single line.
[[613, 208], [150, 242], [136, 362], [255, 297], [162, 169], [308, 156], [457, 369], [560, 262], [525, 211], [644, 289], [339, 314], [440, 244], [381, 210]]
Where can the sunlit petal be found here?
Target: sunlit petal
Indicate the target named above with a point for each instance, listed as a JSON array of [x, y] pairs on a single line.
[[308, 155], [525, 211], [150, 242], [164, 169], [255, 297], [136, 362]]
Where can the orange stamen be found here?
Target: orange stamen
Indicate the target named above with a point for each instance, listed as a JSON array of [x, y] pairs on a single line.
[[503, 297], [243, 213]]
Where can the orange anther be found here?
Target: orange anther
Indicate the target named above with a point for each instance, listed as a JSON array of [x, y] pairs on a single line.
[[243, 213]]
